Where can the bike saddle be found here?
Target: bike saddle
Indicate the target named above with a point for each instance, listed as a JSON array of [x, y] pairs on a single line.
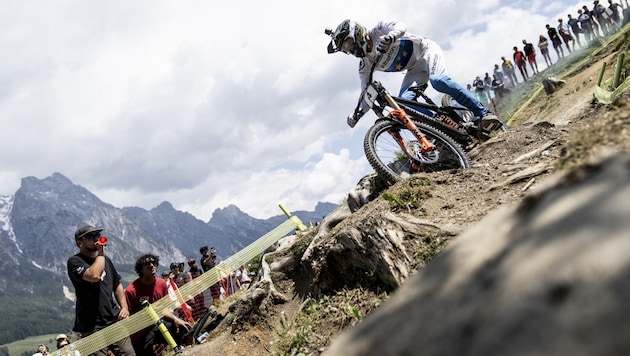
[[418, 89]]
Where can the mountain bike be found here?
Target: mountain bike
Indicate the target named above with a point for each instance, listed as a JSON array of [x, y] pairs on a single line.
[[398, 144], [451, 117]]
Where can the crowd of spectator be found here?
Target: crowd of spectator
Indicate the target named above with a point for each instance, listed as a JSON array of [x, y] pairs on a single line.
[[101, 299], [589, 24]]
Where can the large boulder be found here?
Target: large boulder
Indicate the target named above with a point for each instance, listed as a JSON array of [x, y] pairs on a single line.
[[550, 276]]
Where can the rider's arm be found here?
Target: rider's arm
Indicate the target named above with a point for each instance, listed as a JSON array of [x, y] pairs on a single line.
[[364, 76], [393, 29], [364, 71]]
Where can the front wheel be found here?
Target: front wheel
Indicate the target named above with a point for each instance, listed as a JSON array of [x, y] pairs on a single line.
[[390, 161]]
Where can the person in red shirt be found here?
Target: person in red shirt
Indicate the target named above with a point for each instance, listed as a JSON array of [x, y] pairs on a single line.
[[530, 53], [151, 288], [519, 59]]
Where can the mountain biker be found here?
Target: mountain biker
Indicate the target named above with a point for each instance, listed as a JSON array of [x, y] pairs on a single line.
[[420, 57]]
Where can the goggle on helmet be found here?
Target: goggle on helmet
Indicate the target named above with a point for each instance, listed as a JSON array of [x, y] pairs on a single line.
[[350, 37]]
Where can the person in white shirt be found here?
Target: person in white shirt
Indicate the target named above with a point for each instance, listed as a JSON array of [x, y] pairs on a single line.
[[243, 277]]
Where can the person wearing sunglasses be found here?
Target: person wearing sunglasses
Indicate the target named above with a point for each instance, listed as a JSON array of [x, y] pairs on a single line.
[[152, 288], [96, 283]]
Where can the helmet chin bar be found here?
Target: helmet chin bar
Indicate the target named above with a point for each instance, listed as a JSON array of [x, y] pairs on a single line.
[[346, 30]]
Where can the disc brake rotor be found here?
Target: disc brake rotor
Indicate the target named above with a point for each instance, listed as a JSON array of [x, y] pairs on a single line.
[[428, 157]]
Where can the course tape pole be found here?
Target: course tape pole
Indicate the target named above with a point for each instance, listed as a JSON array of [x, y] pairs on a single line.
[[606, 96], [601, 74], [156, 319], [620, 61], [296, 221], [142, 319]]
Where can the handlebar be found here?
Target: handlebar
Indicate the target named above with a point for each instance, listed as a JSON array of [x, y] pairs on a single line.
[[358, 113]]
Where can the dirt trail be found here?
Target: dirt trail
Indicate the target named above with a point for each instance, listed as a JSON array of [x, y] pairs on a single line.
[[461, 199]]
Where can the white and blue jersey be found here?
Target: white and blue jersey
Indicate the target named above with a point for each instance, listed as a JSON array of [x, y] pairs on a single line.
[[421, 58]]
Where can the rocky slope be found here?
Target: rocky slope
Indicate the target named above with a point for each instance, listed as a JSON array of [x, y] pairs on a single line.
[[549, 135]]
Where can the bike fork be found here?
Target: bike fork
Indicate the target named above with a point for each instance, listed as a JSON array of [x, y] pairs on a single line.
[[425, 145]]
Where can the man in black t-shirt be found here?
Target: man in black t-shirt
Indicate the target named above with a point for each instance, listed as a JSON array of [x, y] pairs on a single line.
[[206, 259], [95, 281], [555, 40]]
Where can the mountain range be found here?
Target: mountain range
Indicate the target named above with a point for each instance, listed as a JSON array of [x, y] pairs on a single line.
[[37, 226]]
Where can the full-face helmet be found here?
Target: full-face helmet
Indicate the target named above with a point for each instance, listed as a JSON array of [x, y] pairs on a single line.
[[350, 37]]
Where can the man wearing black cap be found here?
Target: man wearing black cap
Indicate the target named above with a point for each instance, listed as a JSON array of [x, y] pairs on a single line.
[[95, 278]]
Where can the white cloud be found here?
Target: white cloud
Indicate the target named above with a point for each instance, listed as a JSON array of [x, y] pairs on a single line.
[[207, 104]]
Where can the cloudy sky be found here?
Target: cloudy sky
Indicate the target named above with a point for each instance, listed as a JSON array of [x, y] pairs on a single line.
[[205, 103]]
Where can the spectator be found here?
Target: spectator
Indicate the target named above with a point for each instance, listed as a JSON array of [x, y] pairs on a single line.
[[42, 350], [480, 88], [498, 72], [206, 260], [231, 284], [585, 23], [530, 53], [611, 19], [508, 69], [215, 289], [497, 87], [519, 59], [487, 81], [600, 14], [543, 44], [198, 301], [207, 263], [96, 281], [575, 28], [173, 270], [193, 269], [593, 21], [151, 288], [180, 276], [63, 340], [565, 33], [242, 275], [555, 40], [616, 13]]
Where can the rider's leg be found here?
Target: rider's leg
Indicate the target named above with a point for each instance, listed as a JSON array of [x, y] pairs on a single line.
[[418, 78], [444, 84], [409, 95], [485, 119]]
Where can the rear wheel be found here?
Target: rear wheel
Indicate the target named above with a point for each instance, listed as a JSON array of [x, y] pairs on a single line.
[[391, 163]]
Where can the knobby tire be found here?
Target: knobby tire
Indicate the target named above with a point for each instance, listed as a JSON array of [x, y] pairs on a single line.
[[390, 163]]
